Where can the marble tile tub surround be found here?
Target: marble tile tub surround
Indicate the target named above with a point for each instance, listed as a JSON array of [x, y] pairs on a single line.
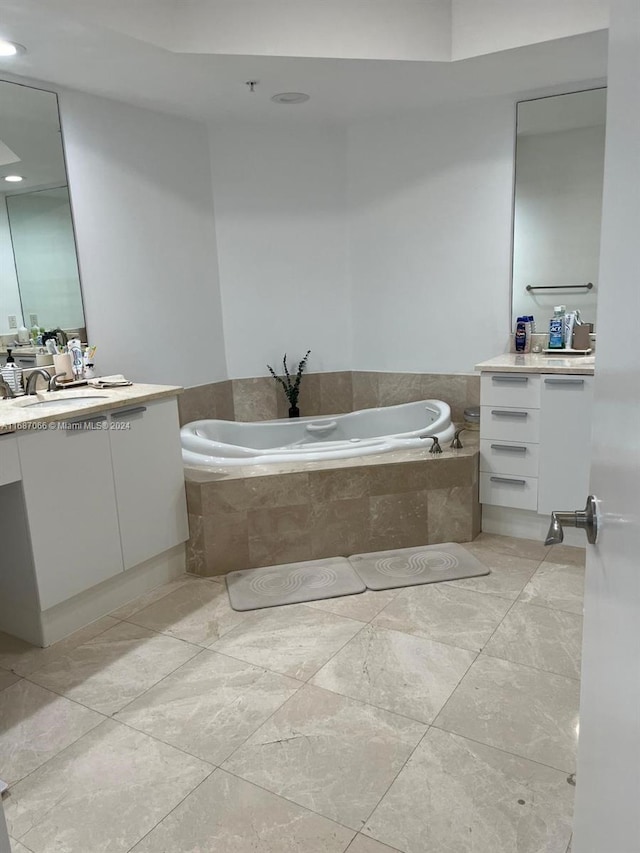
[[248, 519], [245, 745], [259, 398]]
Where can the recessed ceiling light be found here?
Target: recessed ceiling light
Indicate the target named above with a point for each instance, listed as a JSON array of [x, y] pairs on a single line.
[[11, 48], [14, 179], [290, 98]]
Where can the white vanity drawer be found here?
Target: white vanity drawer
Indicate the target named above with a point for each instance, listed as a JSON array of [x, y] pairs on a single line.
[[509, 423], [510, 389], [518, 492], [9, 459], [508, 457]]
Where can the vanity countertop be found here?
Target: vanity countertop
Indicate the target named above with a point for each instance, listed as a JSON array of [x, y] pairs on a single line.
[[511, 362], [17, 414]]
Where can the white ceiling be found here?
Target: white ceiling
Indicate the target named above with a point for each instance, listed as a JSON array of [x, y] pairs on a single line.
[[70, 48]]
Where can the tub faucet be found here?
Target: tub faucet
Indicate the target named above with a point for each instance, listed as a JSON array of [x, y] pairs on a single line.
[[435, 447], [456, 444]]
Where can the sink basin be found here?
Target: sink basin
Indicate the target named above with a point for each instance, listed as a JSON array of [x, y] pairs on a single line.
[[65, 402]]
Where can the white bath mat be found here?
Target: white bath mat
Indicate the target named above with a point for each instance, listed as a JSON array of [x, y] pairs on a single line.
[[411, 566], [293, 583]]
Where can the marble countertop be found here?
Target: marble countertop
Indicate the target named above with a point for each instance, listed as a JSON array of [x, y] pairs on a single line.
[[511, 362], [18, 414]]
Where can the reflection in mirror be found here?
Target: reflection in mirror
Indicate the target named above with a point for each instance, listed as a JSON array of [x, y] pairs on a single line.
[[558, 205], [39, 280]]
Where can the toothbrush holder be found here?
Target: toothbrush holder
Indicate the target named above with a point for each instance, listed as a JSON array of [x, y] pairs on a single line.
[[62, 363]]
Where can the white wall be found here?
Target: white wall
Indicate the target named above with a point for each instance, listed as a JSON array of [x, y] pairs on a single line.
[[430, 204], [9, 293], [558, 207], [280, 205], [141, 195]]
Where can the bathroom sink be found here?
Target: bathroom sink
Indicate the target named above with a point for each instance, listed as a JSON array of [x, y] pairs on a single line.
[[65, 402]]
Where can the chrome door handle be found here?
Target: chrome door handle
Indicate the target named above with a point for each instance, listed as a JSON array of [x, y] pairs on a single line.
[[587, 519]]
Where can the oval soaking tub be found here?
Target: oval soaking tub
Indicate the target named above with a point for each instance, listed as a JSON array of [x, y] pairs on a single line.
[[224, 443]]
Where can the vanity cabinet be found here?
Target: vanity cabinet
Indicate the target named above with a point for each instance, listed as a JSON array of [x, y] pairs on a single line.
[[149, 480], [70, 498], [9, 459], [92, 511], [534, 440], [565, 437]]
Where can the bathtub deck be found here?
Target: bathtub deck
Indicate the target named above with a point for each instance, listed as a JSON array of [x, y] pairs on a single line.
[[264, 515]]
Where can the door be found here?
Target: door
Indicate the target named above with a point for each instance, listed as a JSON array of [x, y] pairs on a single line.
[[607, 814]]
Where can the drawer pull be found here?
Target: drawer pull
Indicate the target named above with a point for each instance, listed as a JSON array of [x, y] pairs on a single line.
[[125, 413], [509, 480], [512, 448], [78, 422], [562, 380], [507, 377], [503, 413]]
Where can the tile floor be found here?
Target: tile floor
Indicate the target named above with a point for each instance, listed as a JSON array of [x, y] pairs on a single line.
[[438, 718]]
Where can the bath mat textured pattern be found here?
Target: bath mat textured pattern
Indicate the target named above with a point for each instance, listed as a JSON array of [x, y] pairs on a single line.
[[293, 583], [411, 566]]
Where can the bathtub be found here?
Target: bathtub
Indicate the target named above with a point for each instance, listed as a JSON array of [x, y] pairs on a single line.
[[217, 443]]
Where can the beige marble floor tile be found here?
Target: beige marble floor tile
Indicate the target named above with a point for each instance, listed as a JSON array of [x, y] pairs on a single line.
[[7, 678], [35, 725], [440, 612], [530, 549], [210, 705], [362, 607], [117, 666], [16, 847], [148, 598], [509, 574], [295, 640], [556, 586], [400, 673], [362, 844], [198, 612], [522, 710], [228, 815], [24, 658], [457, 796], [540, 637], [328, 753], [102, 794], [567, 555]]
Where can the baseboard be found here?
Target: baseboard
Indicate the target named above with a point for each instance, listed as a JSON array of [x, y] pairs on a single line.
[[524, 524], [69, 616]]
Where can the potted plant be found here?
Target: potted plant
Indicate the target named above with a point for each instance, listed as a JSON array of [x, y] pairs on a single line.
[[291, 388]]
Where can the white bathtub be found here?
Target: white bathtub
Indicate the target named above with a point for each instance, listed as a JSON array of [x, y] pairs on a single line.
[[215, 443]]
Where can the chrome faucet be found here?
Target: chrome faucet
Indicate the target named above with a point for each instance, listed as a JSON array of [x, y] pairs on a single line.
[[6, 391], [52, 381], [30, 387]]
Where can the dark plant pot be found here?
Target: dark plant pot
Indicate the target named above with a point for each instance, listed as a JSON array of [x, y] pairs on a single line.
[[294, 412]]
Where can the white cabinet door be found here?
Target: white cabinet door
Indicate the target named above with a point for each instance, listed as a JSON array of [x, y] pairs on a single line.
[[9, 459], [565, 442], [71, 507], [149, 479]]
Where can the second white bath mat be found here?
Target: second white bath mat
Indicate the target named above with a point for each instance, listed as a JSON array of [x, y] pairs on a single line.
[[411, 566], [293, 583]]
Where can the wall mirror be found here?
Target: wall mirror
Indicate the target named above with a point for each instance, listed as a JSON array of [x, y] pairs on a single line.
[[39, 279], [558, 205]]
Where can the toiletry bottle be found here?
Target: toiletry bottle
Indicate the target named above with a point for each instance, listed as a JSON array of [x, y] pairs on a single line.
[[23, 334], [12, 374], [521, 334], [556, 328]]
